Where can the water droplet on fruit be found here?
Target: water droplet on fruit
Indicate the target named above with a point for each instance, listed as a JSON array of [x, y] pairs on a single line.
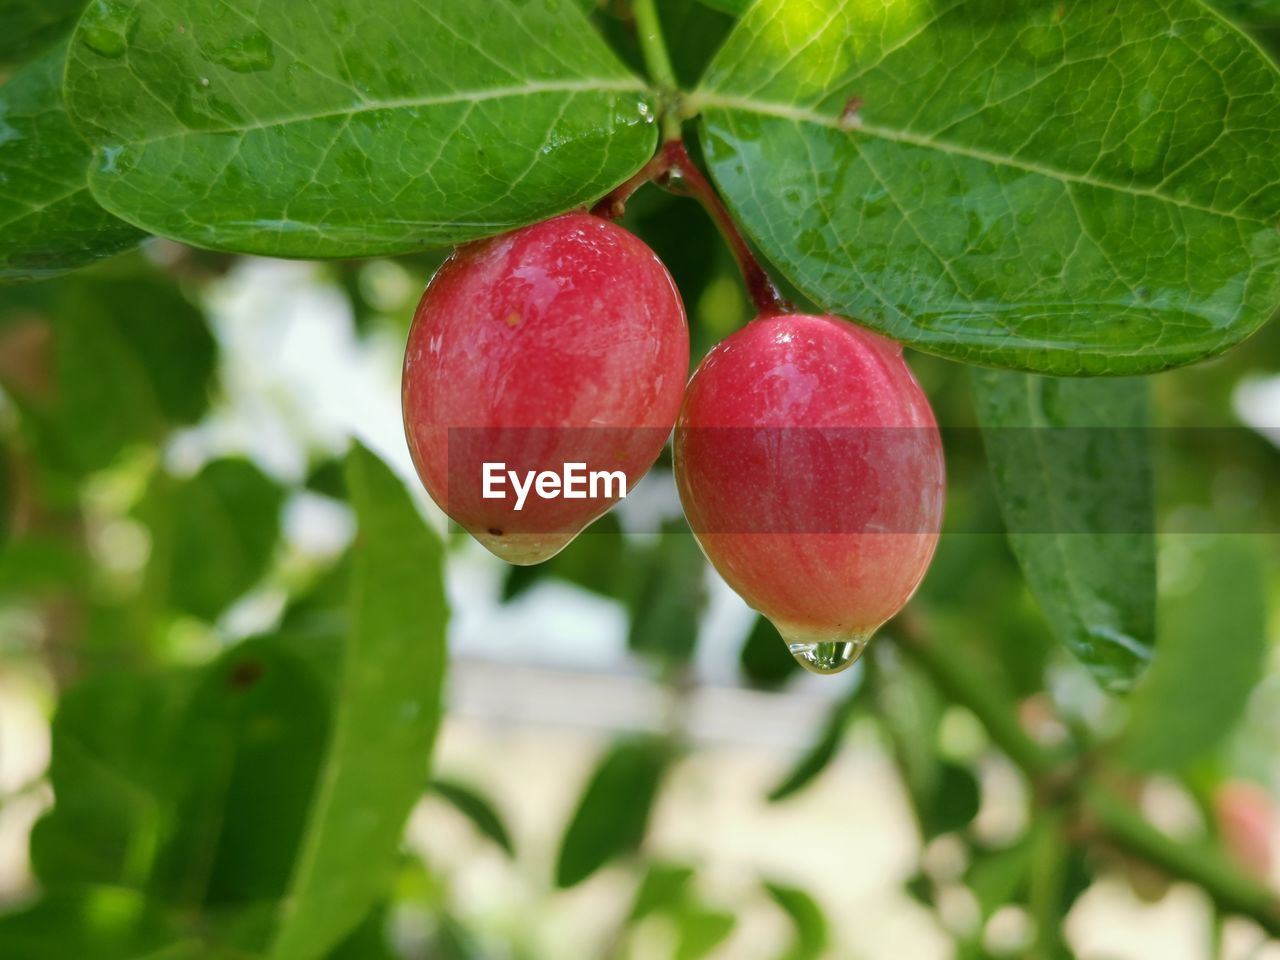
[[827, 656]]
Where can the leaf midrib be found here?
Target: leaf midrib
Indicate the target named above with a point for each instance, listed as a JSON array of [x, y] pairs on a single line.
[[407, 103], [703, 100]]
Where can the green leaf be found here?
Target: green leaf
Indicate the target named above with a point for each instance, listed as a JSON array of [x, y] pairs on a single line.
[[597, 561], [476, 808], [734, 7], [700, 930], [664, 889], [130, 359], [811, 934], [1065, 188], [819, 756], [613, 814], [1071, 462], [30, 25], [98, 923], [666, 609], [765, 660], [319, 131], [248, 753], [213, 535], [1249, 10], [1213, 646], [49, 221], [114, 777], [385, 720]]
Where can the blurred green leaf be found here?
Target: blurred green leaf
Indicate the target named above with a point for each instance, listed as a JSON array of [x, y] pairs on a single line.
[[385, 720], [115, 771], [249, 750], [700, 930], [765, 660], [953, 802], [597, 560], [664, 889], [666, 609], [491, 116], [212, 535], [368, 941], [30, 24], [989, 182], [94, 923], [98, 361], [810, 923], [613, 813], [734, 7], [945, 796], [1071, 462], [475, 807], [49, 221], [824, 749], [998, 875], [1213, 644]]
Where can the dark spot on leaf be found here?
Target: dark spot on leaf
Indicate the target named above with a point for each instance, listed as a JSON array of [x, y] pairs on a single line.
[[245, 674], [849, 118]]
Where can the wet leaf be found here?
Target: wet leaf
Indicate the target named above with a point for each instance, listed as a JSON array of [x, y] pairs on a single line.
[[49, 221], [1071, 461], [1066, 188], [318, 130]]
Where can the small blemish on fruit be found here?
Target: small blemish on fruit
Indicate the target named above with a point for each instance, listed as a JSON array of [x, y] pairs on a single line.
[[513, 320], [849, 118], [494, 531]]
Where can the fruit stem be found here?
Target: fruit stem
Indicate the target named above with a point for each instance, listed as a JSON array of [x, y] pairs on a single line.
[[658, 61], [678, 174], [1058, 780]]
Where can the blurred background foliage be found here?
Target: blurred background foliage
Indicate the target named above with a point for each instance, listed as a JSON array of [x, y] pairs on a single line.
[[221, 667]]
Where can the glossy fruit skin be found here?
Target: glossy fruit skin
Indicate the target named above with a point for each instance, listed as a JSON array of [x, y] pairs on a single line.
[[560, 342], [821, 504]]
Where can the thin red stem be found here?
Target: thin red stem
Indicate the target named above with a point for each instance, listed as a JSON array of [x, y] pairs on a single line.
[[674, 170], [680, 175]]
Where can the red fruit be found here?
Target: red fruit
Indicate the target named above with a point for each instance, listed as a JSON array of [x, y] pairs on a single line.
[[564, 342], [810, 469]]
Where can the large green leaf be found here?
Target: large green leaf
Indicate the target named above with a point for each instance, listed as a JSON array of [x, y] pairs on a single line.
[[1078, 187], [49, 221], [1213, 648], [319, 130], [1071, 464], [212, 535], [376, 762]]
